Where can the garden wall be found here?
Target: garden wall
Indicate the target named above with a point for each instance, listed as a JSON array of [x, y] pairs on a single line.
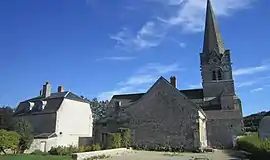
[[110, 152]]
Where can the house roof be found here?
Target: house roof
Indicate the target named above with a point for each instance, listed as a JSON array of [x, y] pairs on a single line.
[[65, 94], [127, 99], [45, 135], [54, 101]]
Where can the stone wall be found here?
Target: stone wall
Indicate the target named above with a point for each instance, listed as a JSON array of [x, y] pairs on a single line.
[[85, 141], [110, 152], [220, 132], [162, 117]]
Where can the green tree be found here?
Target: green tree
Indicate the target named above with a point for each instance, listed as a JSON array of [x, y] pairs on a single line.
[[98, 108], [25, 130], [6, 120], [8, 140], [252, 121]]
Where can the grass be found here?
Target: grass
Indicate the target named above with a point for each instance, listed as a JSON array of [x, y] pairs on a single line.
[[34, 157]]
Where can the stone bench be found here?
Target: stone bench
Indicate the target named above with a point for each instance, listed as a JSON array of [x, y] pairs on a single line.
[[109, 152]]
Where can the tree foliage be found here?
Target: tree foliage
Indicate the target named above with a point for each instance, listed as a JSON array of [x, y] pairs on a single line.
[[125, 137], [8, 140], [25, 130], [114, 140], [98, 108], [6, 120], [252, 121]]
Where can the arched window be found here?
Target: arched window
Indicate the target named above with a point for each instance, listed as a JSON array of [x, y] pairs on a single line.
[[214, 76], [219, 75]]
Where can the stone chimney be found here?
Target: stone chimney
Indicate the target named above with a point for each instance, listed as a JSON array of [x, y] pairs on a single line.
[[60, 89], [46, 91], [173, 81]]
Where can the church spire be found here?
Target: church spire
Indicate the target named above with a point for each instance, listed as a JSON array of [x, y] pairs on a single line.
[[212, 37]]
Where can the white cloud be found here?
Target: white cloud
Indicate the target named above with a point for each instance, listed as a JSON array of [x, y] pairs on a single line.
[[245, 84], [252, 82], [116, 58], [256, 90], [150, 35], [181, 44], [191, 13], [251, 70], [187, 14], [141, 80]]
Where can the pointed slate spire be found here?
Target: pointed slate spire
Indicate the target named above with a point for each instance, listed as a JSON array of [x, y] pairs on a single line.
[[212, 37]]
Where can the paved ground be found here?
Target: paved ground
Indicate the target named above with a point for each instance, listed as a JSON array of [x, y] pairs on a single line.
[[145, 155]]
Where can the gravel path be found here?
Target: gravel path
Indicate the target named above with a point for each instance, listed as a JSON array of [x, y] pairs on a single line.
[[146, 155]]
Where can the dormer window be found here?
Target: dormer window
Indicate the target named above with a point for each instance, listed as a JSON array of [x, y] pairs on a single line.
[[31, 105], [40, 105]]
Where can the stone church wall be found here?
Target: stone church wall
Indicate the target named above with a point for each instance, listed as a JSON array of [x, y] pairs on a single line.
[[222, 126], [161, 117]]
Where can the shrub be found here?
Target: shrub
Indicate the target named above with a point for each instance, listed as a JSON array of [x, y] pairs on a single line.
[[114, 140], [39, 152], [159, 148], [8, 140], [60, 150], [24, 129], [125, 136], [95, 147], [260, 149]]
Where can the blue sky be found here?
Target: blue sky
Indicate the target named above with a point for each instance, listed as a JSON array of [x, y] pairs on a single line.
[[97, 48]]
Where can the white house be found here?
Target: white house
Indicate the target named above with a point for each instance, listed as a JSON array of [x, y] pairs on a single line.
[[58, 119]]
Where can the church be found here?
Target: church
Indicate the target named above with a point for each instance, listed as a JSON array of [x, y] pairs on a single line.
[[190, 119]]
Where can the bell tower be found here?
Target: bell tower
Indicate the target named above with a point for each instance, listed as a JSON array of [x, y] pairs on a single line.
[[216, 70]]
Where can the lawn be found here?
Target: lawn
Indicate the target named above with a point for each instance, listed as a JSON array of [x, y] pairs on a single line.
[[34, 157]]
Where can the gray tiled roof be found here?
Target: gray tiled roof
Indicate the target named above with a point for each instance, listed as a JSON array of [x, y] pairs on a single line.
[[193, 93], [45, 135], [54, 101], [126, 99]]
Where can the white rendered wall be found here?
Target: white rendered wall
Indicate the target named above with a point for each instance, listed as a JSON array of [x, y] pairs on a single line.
[[73, 120]]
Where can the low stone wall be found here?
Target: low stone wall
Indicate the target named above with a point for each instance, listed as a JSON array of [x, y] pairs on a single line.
[[109, 152]]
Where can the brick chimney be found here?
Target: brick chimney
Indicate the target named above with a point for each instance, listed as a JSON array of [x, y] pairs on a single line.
[[173, 81], [46, 90], [60, 89]]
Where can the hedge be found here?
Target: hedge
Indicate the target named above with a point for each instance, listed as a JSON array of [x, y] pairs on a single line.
[[259, 149]]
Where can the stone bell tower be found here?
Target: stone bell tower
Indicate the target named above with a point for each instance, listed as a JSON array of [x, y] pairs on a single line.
[[216, 70]]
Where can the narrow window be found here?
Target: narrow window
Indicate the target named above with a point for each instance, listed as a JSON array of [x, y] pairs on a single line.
[[219, 75], [1, 120], [214, 75]]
